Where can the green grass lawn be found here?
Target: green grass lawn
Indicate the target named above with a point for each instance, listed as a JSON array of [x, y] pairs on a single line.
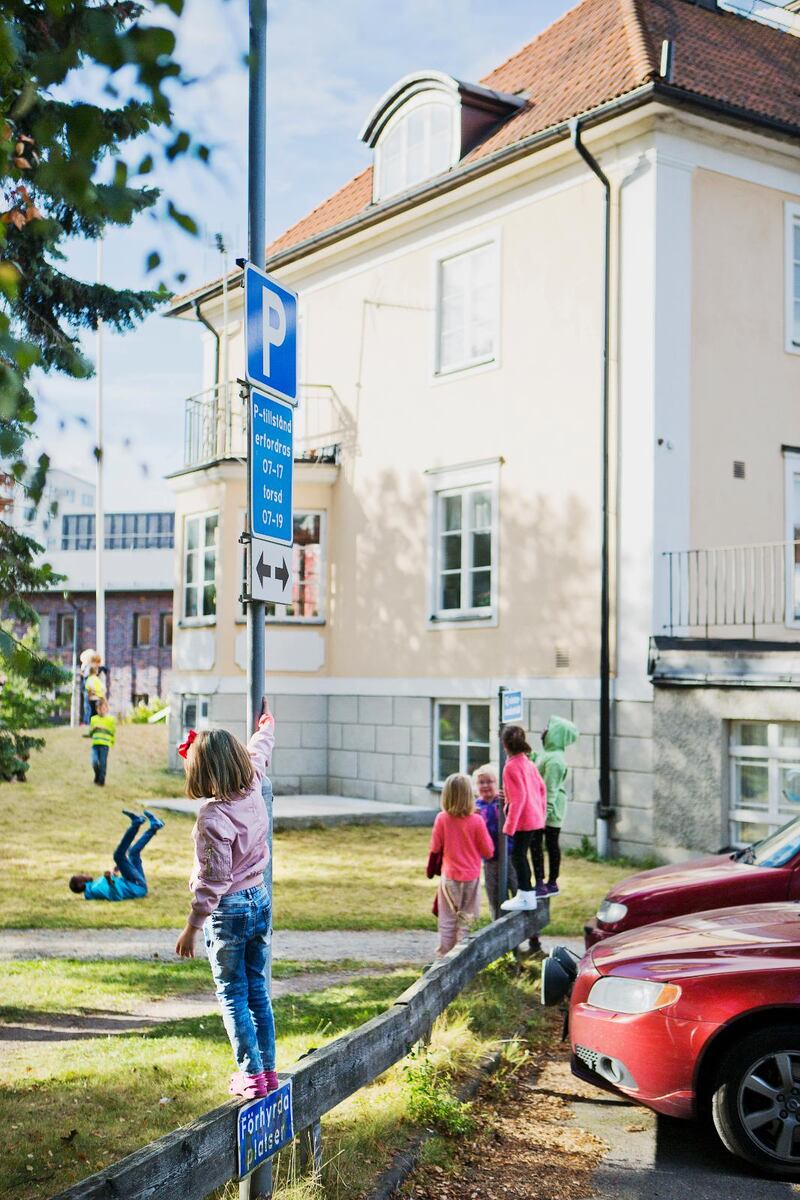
[[69, 1108], [356, 877]]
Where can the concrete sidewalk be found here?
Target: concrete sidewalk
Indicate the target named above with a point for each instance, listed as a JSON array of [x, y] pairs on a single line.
[[308, 812]]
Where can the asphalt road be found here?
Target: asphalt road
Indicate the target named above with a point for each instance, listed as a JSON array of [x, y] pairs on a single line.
[[660, 1158]]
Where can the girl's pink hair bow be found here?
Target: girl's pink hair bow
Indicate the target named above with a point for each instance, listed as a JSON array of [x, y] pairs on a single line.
[[183, 749]]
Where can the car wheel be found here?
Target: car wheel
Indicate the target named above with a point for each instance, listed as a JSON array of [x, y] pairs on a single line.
[[756, 1100]]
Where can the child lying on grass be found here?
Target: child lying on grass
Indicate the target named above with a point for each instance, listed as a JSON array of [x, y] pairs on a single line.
[[127, 881]]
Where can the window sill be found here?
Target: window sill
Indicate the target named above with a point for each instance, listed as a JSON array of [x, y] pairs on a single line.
[[196, 622], [473, 368], [292, 622], [462, 621]]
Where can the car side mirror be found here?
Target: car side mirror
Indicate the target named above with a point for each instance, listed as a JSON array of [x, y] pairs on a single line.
[[559, 972]]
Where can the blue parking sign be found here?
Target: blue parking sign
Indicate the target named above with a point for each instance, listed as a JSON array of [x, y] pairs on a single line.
[[270, 334]]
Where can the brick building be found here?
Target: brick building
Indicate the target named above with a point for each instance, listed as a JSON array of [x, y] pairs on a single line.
[[138, 639], [138, 578]]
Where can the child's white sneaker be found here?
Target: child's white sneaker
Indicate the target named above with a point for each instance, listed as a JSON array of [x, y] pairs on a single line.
[[520, 902]]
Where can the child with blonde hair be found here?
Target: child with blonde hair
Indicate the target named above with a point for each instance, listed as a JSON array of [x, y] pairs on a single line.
[[461, 838], [488, 806], [231, 903]]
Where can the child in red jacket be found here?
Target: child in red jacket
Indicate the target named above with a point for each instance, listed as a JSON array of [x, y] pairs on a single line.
[[526, 809], [461, 837]]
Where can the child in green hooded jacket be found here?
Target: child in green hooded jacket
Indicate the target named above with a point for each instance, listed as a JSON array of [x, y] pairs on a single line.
[[552, 766]]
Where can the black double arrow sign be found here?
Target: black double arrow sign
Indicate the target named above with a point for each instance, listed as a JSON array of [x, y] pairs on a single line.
[[264, 571]]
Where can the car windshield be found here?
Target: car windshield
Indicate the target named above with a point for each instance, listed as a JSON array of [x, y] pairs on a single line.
[[775, 850]]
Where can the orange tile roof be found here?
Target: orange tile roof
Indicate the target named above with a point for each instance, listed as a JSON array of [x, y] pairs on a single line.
[[602, 49]]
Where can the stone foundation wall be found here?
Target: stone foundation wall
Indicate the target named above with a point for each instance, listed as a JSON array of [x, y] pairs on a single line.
[[381, 748]]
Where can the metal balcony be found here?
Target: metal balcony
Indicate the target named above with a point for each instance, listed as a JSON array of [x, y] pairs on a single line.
[[733, 591], [215, 425]]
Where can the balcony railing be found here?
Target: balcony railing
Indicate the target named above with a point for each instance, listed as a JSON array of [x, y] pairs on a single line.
[[745, 589], [215, 425]]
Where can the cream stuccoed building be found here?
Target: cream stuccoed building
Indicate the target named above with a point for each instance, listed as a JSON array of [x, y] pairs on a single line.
[[450, 472]]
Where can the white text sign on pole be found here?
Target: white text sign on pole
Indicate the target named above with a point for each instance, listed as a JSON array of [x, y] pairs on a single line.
[[511, 707], [271, 501], [270, 334]]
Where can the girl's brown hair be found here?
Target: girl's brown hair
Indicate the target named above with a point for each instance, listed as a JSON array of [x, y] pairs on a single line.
[[457, 797], [217, 766], [514, 740]]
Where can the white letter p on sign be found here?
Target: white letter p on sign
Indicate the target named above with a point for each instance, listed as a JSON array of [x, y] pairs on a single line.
[[274, 317]]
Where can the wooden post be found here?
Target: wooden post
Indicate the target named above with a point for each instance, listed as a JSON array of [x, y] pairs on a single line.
[[310, 1147]]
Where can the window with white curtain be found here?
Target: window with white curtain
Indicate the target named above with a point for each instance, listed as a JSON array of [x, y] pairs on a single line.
[[467, 302], [417, 146], [200, 566]]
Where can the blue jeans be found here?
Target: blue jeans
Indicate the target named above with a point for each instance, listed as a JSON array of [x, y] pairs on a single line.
[[99, 763], [237, 939], [127, 858]]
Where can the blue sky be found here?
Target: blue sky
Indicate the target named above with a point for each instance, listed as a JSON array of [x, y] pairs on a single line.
[[328, 63]]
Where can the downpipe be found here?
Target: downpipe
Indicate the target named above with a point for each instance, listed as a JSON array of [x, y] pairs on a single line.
[[605, 811]]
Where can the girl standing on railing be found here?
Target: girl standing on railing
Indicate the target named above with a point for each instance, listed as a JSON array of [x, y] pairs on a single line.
[[231, 903]]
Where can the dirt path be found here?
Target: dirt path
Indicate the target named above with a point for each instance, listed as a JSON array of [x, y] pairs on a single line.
[[18, 1036], [392, 948]]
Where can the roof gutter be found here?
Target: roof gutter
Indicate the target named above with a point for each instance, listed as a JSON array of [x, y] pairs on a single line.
[[654, 90], [455, 178]]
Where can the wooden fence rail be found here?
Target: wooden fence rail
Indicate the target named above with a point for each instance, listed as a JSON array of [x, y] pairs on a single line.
[[192, 1162]]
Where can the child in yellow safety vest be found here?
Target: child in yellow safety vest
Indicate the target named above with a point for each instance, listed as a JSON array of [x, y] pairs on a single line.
[[95, 689], [102, 730]]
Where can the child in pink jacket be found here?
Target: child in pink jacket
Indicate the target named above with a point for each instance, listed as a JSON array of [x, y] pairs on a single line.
[[526, 809], [461, 837], [231, 903]]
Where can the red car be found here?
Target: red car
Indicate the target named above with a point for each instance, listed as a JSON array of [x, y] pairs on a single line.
[[695, 1013], [765, 872]]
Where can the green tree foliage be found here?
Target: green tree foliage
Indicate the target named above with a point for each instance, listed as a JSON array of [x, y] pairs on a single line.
[[66, 172]]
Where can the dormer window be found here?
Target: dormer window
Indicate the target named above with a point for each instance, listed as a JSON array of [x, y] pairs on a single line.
[[425, 124], [419, 144]]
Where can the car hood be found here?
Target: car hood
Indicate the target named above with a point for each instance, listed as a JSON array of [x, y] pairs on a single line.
[[724, 940], [711, 869]]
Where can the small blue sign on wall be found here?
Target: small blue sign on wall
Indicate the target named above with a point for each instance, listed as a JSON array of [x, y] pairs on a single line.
[[263, 1127], [271, 468], [270, 334], [511, 707]]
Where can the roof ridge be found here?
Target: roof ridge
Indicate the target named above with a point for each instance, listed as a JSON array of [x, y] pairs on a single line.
[[638, 36]]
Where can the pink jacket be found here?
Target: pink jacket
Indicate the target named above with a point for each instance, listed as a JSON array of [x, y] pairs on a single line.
[[230, 837], [525, 793], [464, 841]]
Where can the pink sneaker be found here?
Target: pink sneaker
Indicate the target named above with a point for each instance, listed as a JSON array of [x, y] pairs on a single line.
[[247, 1087], [272, 1081]]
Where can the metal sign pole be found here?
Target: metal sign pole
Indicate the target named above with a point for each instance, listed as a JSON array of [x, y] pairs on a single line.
[[256, 252], [502, 844], [260, 1182]]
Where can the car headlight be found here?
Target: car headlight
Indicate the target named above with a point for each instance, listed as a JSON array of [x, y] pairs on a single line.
[[611, 911], [617, 994]]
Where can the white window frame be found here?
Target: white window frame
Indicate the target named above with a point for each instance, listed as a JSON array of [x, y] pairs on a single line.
[[490, 239], [210, 618], [282, 617], [774, 755], [791, 220], [483, 476], [203, 702], [421, 100], [463, 743], [791, 468]]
